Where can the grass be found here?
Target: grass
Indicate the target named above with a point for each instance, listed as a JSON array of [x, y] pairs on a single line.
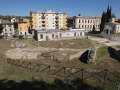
[[102, 53], [8, 71], [11, 72], [104, 60], [118, 46]]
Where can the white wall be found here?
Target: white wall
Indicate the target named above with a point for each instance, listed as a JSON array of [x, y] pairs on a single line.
[[60, 35], [117, 28]]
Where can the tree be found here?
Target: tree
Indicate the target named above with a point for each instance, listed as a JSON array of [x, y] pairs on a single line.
[[70, 22], [106, 17], [15, 25], [113, 15], [16, 29], [93, 30], [1, 28], [103, 20], [29, 30], [108, 14]]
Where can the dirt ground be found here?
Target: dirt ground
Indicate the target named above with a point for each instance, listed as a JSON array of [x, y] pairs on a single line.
[[73, 44], [14, 72]]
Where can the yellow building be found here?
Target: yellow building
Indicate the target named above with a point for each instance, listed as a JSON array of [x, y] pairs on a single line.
[[48, 20], [23, 28]]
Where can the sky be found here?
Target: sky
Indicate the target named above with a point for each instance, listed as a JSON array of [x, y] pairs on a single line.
[[71, 7]]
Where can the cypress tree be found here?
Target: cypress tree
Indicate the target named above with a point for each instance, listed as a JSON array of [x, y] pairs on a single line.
[[103, 19], [106, 17]]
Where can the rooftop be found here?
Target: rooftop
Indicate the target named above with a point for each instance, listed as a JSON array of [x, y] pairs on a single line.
[[57, 30], [49, 12], [87, 17], [116, 23]]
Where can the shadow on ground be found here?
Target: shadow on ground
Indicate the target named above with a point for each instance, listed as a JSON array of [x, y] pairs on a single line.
[[115, 54], [76, 84], [84, 57]]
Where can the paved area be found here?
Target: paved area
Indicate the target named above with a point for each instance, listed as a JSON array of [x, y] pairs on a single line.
[[105, 41]]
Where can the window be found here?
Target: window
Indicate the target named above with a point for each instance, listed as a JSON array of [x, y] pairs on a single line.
[[82, 26], [43, 21], [41, 36], [107, 31], [56, 22], [43, 17], [56, 36], [43, 25], [98, 26], [75, 34], [21, 33], [60, 35], [90, 26], [80, 33], [82, 21], [56, 17], [52, 35], [91, 21], [25, 33]]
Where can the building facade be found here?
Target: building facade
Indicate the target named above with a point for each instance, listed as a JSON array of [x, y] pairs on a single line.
[[23, 28], [87, 22], [42, 35], [111, 28], [8, 30], [48, 20]]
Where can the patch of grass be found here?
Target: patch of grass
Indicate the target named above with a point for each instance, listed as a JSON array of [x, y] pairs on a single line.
[[11, 72], [118, 46], [102, 52]]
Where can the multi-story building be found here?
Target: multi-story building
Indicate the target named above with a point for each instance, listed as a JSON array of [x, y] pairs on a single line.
[[8, 30], [86, 22], [23, 28], [111, 28], [111, 31], [48, 20]]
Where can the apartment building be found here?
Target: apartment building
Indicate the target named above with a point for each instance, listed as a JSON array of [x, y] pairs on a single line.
[[23, 28], [48, 20], [87, 22], [8, 30]]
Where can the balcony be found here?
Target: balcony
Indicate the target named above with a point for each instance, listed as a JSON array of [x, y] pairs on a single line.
[[43, 17], [56, 17]]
